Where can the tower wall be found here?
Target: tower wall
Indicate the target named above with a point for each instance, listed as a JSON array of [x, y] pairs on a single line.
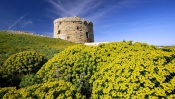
[[74, 29]]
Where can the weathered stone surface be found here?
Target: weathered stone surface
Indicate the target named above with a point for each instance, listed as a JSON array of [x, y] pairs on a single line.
[[74, 29]]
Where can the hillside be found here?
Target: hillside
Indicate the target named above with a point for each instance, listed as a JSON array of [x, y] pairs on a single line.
[[11, 43], [113, 70]]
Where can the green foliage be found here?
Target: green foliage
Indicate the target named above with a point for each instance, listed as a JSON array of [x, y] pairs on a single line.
[[172, 48], [14, 43], [68, 62], [29, 80], [5, 90], [23, 63], [169, 49], [50, 90]]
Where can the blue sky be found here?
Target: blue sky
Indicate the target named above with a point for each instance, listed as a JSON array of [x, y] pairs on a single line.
[[149, 21]]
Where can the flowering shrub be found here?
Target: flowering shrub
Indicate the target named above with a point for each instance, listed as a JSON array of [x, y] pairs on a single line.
[[5, 90], [136, 75], [24, 62], [21, 64], [79, 60], [78, 63], [69, 65], [75, 64], [50, 90]]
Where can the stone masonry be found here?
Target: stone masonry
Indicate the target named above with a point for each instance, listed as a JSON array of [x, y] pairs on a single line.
[[74, 29]]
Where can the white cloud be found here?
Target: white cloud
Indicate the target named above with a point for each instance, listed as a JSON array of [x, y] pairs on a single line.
[[26, 22], [29, 22], [17, 21], [89, 9], [20, 23]]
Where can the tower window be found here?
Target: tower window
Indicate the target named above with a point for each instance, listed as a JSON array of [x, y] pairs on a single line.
[[58, 32], [87, 35], [77, 27], [68, 37]]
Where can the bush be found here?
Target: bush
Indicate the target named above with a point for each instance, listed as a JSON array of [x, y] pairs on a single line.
[[136, 75], [80, 59], [78, 63], [5, 90], [29, 80], [68, 65], [114, 70], [50, 90], [23, 63]]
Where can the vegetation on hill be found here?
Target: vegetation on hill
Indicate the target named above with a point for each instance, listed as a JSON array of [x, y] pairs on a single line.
[[19, 65], [49, 90], [113, 70], [11, 43]]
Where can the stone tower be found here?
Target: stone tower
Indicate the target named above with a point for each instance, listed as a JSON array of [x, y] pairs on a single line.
[[74, 29]]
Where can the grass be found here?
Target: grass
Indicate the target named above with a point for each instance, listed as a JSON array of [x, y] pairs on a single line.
[[11, 43]]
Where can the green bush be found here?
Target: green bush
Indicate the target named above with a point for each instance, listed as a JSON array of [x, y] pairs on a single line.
[[50, 90], [67, 65], [80, 59], [5, 90], [141, 74], [95, 70], [29, 80], [23, 63]]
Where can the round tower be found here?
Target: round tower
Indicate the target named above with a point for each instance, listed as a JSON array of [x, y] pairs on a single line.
[[74, 29]]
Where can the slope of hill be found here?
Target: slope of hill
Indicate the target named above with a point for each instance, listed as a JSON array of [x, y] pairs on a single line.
[[11, 43]]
